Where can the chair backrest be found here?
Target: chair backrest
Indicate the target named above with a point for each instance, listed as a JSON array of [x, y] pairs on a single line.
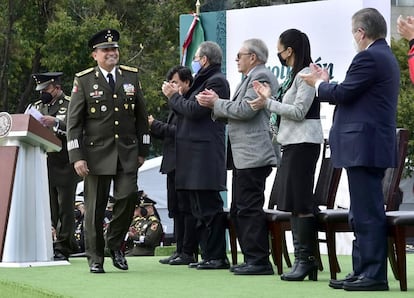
[[328, 180], [392, 177]]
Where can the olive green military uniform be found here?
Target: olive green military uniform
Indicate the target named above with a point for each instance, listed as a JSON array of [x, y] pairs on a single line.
[[148, 236], [62, 177], [108, 129]]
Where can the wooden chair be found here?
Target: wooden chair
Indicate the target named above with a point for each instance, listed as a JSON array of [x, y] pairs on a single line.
[[279, 221], [332, 221]]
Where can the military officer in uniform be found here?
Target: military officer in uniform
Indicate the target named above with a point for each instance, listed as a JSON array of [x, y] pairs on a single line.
[[108, 141], [145, 232], [53, 105]]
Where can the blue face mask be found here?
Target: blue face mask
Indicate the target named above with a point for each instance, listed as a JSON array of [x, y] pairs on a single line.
[[196, 66]]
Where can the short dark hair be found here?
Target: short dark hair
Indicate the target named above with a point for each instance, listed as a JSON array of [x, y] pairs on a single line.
[[184, 73]]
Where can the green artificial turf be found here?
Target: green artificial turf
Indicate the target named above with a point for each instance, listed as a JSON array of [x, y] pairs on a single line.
[[148, 278]]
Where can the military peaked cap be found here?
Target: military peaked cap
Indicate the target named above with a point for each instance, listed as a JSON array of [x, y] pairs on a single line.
[[107, 38], [44, 79]]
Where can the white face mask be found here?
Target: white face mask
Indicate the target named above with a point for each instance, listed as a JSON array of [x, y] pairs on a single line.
[[356, 45]]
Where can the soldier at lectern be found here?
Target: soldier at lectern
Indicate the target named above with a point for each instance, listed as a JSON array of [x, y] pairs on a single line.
[[53, 106]]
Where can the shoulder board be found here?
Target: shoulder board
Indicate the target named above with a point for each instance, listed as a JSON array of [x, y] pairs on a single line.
[[128, 68], [36, 103], [67, 97], [79, 74]]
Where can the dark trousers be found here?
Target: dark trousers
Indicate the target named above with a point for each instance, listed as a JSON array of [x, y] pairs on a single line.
[[96, 198], [207, 208], [248, 215], [368, 221], [62, 205], [179, 208]]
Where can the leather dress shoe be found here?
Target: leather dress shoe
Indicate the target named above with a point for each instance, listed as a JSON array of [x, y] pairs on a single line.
[[195, 264], [237, 266], [58, 256], [119, 260], [214, 264], [167, 260], [254, 270], [97, 268], [339, 283], [365, 284], [182, 259]]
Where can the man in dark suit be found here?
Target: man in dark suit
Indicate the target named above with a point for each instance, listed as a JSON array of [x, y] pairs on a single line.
[[200, 151], [248, 132], [53, 104], [178, 201], [108, 141], [363, 141]]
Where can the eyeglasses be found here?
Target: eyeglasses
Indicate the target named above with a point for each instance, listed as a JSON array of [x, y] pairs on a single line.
[[242, 54]]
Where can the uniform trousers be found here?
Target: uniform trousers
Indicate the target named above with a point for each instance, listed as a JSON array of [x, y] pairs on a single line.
[[62, 205], [96, 198], [207, 208], [368, 221], [248, 215]]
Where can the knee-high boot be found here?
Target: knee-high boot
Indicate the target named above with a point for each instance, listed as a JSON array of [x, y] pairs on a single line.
[[307, 238]]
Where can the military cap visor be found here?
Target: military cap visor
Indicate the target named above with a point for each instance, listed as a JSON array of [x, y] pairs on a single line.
[[45, 79], [104, 39]]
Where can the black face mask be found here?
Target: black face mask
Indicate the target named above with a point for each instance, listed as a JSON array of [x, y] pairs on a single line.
[[46, 97], [282, 61]]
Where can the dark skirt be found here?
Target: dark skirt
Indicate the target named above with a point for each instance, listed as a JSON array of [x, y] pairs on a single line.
[[293, 186]]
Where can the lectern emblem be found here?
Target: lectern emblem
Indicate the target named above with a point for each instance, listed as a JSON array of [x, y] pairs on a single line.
[[5, 124]]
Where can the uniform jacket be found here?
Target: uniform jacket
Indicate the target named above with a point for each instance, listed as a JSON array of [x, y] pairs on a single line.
[[363, 132], [297, 125], [200, 141], [166, 132], [104, 126], [151, 230], [60, 170], [248, 130]]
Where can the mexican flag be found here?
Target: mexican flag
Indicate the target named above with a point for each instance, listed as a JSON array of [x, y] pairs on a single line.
[[194, 37]]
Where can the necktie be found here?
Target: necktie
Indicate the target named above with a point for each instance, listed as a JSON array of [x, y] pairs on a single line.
[[111, 81]]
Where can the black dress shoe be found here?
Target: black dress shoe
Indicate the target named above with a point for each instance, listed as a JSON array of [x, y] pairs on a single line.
[[195, 264], [167, 260], [339, 283], [237, 266], [58, 256], [214, 264], [254, 270], [182, 259], [97, 268], [365, 284], [118, 259]]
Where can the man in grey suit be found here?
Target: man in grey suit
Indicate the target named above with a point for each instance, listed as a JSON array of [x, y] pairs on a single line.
[[251, 156]]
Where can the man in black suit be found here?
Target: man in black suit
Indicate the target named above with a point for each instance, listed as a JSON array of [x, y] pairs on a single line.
[[200, 152], [178, 201], [363, 141]]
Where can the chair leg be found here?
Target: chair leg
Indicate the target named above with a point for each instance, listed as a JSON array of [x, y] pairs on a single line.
[[276, 245], [285, 250], [392, 257], [233, 242], [333, 260], [399, 233]]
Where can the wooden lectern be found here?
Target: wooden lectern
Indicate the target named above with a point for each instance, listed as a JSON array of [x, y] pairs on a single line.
[[25, 224]]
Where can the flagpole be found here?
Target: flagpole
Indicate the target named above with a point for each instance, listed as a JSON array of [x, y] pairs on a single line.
[[198, 7]]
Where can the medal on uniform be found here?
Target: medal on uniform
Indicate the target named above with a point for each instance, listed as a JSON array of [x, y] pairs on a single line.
[[126, 106], [103, 108], [95, 87], [93, 110], [133, 106]]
